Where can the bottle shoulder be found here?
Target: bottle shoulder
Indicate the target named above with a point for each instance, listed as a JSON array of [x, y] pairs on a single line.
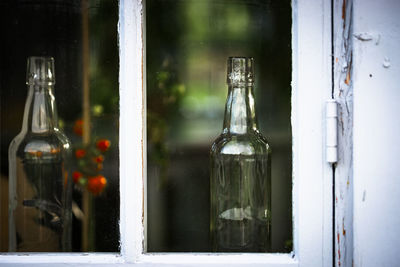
[[62, 137], [244, 144], [40, 144]]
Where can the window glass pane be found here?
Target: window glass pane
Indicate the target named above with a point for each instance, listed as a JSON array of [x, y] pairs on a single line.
[[81, 36], [188, 43]]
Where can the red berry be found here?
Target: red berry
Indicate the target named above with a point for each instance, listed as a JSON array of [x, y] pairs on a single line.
[[99, 159], [103, 145], [76, 176], [96, 184], [80, 153], [78, 127]]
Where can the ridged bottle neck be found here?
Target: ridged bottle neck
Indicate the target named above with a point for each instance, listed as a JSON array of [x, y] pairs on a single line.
[[40, 116], [240, 116]]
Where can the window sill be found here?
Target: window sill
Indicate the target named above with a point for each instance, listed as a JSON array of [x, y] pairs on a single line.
[[148, 259]]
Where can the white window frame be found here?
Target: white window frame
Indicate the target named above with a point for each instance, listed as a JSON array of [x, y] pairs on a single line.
[[376, 61], [312, 176]]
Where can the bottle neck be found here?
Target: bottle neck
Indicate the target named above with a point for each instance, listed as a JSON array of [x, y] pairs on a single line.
[[240, 115], [40, 116]]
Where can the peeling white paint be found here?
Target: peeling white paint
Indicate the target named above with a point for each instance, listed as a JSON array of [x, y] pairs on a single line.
[[378, 39], [376, 135], [344, 67], [386, 62], [364, 36], [367, 36], [343, 93]]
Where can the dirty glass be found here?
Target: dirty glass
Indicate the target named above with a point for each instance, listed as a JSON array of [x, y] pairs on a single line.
[[188, 43], [81, 36]]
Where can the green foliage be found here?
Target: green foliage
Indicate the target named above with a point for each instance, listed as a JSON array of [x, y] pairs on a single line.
[[104, 60]]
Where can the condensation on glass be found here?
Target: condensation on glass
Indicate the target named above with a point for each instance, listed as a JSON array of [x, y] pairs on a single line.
[[82, 38], [187, 45], [240, 179]]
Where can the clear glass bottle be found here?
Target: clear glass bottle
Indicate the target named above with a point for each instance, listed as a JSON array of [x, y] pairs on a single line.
[[40, 186], [240, 170]]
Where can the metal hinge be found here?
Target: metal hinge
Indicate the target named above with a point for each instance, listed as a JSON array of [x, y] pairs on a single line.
[[331, 131]]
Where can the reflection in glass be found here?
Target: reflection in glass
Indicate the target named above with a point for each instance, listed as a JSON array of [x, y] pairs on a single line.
[[40, 186], [87, 103], [187, 44], [240, 171]]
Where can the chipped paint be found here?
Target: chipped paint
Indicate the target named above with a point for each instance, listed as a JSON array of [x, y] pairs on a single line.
[[386, 62], [347, 80], [364, 36], [344, 12], [343, 93], [377, 39], [376, 117], [367, 36], [343, 230]]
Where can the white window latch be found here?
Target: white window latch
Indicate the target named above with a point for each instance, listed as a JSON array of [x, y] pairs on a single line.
[[331, 131]]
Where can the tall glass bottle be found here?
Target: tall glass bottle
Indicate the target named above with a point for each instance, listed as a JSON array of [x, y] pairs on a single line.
[[240, 170], [40, 187]]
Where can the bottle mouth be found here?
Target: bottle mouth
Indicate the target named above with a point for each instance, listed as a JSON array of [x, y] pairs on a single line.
[[240, 71], [40, 70]]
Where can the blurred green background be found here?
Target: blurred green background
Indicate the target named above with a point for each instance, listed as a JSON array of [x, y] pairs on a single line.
[[187, 46]]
